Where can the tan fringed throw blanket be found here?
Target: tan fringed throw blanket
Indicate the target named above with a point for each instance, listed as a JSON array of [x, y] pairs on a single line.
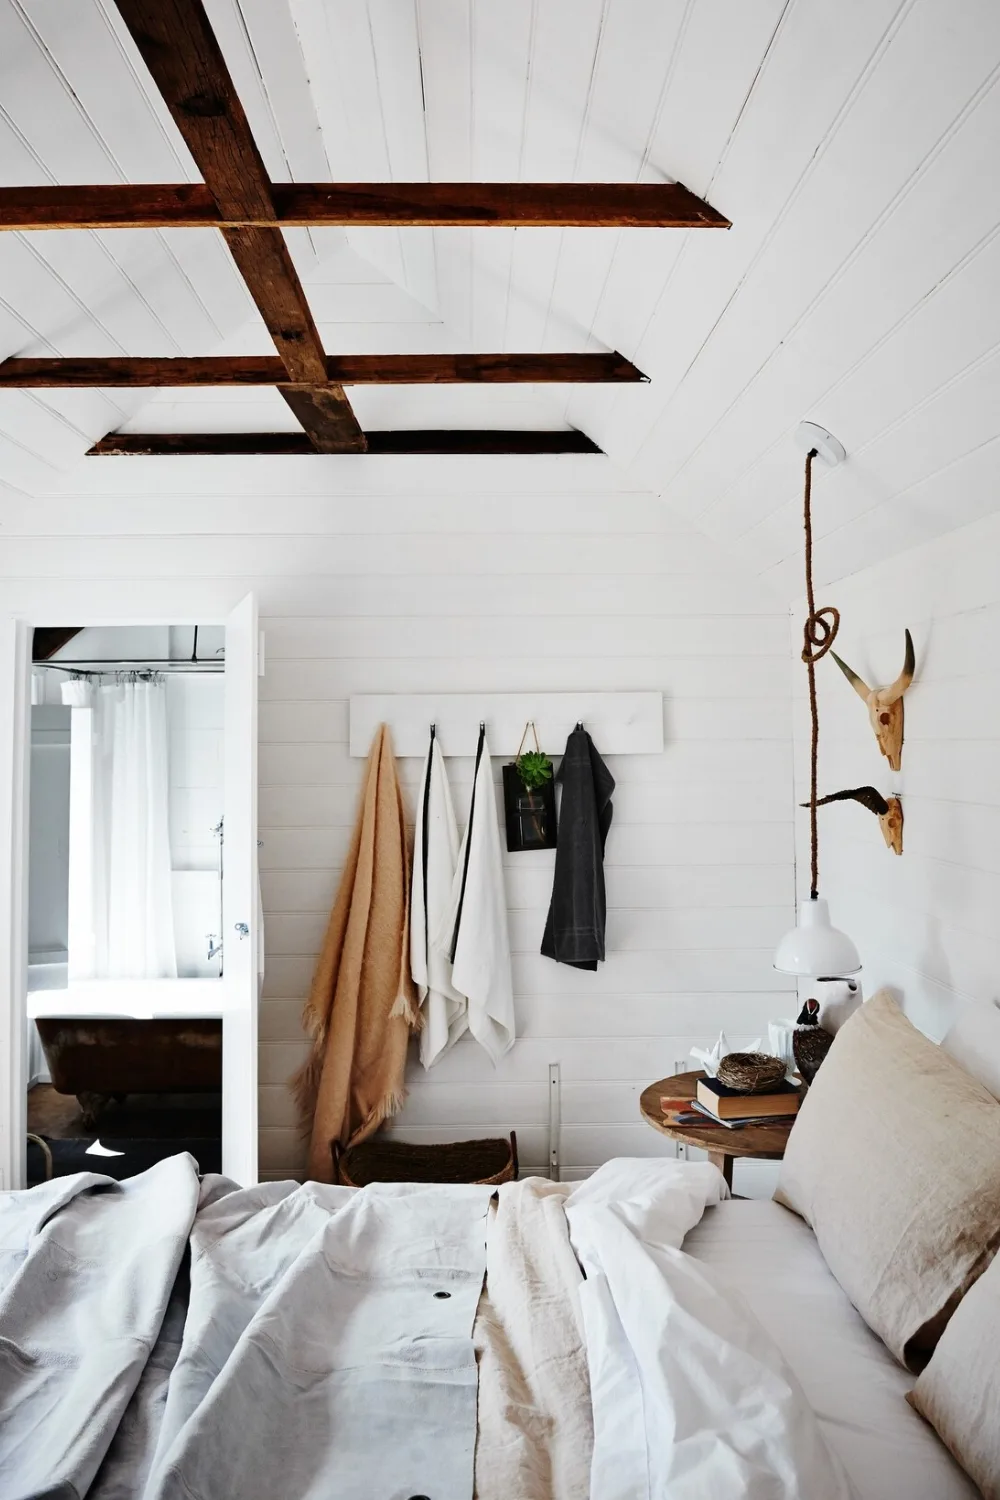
[[536, 1426], [362, 1006]]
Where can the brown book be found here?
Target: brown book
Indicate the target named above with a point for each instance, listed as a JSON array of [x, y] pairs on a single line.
[[727, 1104], [671, 1103], [678, 1111]]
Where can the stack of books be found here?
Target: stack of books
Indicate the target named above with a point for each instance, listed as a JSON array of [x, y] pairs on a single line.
[[718, 1105]]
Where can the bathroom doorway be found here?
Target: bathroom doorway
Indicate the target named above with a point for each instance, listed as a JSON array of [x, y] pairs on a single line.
[[128, 1003], [126, 867]]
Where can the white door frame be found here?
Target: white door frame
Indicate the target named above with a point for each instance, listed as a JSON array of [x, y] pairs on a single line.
[[15, 763], [239, 1088]]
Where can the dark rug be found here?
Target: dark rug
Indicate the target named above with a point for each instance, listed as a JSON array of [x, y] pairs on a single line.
[[139, 1117], [71, 1156]]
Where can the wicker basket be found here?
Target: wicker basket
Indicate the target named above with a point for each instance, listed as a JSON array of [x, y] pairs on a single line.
[[488, 1162], [751, 1072]]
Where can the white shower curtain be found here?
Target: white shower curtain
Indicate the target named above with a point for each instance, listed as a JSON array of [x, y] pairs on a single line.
[[132, 920]]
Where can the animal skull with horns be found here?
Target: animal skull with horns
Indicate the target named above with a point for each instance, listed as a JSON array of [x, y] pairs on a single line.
[[885, 705], [888, 810]]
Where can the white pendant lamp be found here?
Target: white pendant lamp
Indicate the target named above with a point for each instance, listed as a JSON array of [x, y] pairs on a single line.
[[814, 949]]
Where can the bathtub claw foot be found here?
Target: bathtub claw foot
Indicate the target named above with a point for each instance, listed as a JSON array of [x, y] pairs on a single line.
[[92, 1106]]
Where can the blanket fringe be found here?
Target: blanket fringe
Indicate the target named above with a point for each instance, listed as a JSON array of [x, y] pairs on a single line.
[[404, 1006], [389, 1105], [304, 1084]]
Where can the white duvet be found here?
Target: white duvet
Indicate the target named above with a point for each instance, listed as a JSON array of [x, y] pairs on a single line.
[[325, 1347]]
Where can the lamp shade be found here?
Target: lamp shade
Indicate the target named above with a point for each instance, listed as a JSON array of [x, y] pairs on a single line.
[[813, 949]]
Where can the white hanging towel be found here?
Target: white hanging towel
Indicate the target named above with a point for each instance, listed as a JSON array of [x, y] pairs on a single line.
[[435, 859], [477, 924]]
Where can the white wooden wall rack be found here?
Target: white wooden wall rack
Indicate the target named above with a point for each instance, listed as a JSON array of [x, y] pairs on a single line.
[[620, 723]]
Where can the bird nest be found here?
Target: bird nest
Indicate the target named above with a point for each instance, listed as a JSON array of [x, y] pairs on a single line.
[[751, 1072]]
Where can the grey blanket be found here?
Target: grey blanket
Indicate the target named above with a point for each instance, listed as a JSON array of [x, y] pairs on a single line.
[[315, 1341]]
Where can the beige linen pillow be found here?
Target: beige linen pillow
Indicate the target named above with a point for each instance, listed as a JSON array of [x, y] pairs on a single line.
[[894, 1159], [959, 1392]]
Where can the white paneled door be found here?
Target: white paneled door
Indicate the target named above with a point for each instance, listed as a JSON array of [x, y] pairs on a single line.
[[241, 936]]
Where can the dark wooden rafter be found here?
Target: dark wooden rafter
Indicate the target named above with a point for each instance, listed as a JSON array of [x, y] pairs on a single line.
[[179, 47], [264, 262], [345, 369], [325, 413], [567, 205], [48, 639], [459, 441], [180, 50]]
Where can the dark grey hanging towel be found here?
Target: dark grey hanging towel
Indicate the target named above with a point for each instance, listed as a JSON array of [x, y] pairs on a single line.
[[574, 930]]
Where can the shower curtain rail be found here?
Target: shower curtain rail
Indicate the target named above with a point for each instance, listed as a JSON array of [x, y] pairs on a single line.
[[101, 666]]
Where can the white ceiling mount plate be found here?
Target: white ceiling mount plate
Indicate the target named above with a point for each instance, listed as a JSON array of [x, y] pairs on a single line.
[[810, 435]]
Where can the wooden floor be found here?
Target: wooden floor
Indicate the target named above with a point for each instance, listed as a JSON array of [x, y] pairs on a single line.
[[142, 1116]]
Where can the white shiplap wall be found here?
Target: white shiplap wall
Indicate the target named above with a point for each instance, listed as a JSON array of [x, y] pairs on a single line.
[[926, 923], [553, 589], [450, 575]]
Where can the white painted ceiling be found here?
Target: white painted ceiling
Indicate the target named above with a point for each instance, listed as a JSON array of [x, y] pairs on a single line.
[[851, 142]]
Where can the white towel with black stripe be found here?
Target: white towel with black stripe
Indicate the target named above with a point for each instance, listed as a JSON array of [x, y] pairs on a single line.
[[480, 944], [435, 859]]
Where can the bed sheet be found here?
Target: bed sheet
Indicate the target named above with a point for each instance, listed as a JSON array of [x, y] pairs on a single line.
[[853, 1383]]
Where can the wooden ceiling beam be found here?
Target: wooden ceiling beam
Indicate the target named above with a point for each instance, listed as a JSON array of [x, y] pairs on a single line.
[[266, 266], [344, 369], [46, 640], [566, 205], [186, 444], [186, 205], [179, 47], [326, 416]]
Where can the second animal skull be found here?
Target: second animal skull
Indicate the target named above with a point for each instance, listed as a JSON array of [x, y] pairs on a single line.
[[885, 705], [888, 810]]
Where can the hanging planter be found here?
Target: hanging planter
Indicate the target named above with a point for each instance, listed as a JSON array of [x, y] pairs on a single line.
[[529, 798]]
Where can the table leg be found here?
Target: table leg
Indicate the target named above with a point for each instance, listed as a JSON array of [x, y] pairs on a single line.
[[724, 1162]]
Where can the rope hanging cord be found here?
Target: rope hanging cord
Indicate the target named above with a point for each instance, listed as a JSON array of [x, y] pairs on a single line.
[[819, 634]]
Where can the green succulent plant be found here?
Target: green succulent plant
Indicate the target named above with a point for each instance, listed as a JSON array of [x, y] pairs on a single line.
[[534, 769]]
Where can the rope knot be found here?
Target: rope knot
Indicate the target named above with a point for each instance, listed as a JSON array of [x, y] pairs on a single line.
[[819, 633]]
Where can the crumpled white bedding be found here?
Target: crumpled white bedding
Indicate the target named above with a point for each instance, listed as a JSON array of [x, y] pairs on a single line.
[[86, 1270], [322, 1324], [692, 1399], [325, 1347]]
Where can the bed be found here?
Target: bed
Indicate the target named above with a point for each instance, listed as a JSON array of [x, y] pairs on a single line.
[[637, 1336], [292, 1358], [853, 1384]]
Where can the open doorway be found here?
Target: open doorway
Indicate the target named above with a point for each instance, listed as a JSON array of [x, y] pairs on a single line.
[[127, 862]]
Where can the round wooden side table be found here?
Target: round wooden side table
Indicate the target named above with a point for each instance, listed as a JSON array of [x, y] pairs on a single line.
[[765, 1142]]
